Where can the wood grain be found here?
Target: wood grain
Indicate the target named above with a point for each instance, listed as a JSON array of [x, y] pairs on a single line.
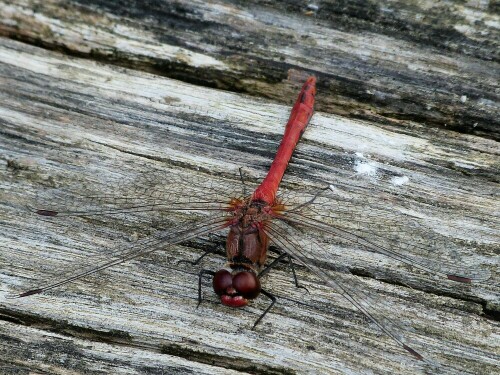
[[397, 79], [72, 125], [385, 61]]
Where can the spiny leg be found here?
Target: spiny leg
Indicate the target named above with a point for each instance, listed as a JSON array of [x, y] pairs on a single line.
[[200, 276], [273, 301], [292, 267], [245, 191], [197, 261]]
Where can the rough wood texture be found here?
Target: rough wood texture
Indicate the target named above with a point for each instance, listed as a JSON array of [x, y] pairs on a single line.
[[386, 61], [68, 122], [73, 126]]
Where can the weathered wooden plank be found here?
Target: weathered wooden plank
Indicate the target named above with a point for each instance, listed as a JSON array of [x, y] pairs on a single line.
[[71, 122], [64, 354], [386, 61]]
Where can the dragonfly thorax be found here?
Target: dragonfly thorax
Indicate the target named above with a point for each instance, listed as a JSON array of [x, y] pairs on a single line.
[[247, 241], [246, 212]]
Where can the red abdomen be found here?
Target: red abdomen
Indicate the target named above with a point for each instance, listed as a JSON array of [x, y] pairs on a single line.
[[299, 118]]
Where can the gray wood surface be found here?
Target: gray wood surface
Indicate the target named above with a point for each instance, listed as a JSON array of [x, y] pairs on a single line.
[[434, 62], [72, 126]]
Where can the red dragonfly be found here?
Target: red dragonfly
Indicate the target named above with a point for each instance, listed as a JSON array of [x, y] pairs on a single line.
[[255, 221]]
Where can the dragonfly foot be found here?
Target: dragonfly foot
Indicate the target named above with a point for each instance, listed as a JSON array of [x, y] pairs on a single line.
[[190, 262], [200, 276], [303, 287]]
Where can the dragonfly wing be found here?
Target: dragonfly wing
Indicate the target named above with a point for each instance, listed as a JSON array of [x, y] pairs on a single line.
[[152, 192], [306, 251], [158, 241], [412, 237]]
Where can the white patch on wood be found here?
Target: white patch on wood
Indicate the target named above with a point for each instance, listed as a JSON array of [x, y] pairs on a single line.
[[365, 167], [399, 180]]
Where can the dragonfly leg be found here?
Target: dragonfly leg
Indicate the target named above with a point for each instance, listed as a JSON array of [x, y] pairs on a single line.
[[292, 267], [200, 277], [195, 263], [245, 191], [273, 301], [296, 280], [273, 264]]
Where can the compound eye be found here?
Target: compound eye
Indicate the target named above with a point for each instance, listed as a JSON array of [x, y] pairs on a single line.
[[246, 284], [221, 281]]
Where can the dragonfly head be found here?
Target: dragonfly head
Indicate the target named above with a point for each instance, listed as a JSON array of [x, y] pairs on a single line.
[[235, 289]]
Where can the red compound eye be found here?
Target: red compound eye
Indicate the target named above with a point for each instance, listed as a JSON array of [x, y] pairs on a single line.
[[221, 281], [247, 284]]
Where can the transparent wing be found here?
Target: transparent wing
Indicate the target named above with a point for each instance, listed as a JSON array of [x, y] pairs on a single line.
[[110, 204], [383, 225], [308, 252], [152, 192], [158, 241]]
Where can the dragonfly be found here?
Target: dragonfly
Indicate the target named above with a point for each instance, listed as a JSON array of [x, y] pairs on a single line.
[[256, 221]]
